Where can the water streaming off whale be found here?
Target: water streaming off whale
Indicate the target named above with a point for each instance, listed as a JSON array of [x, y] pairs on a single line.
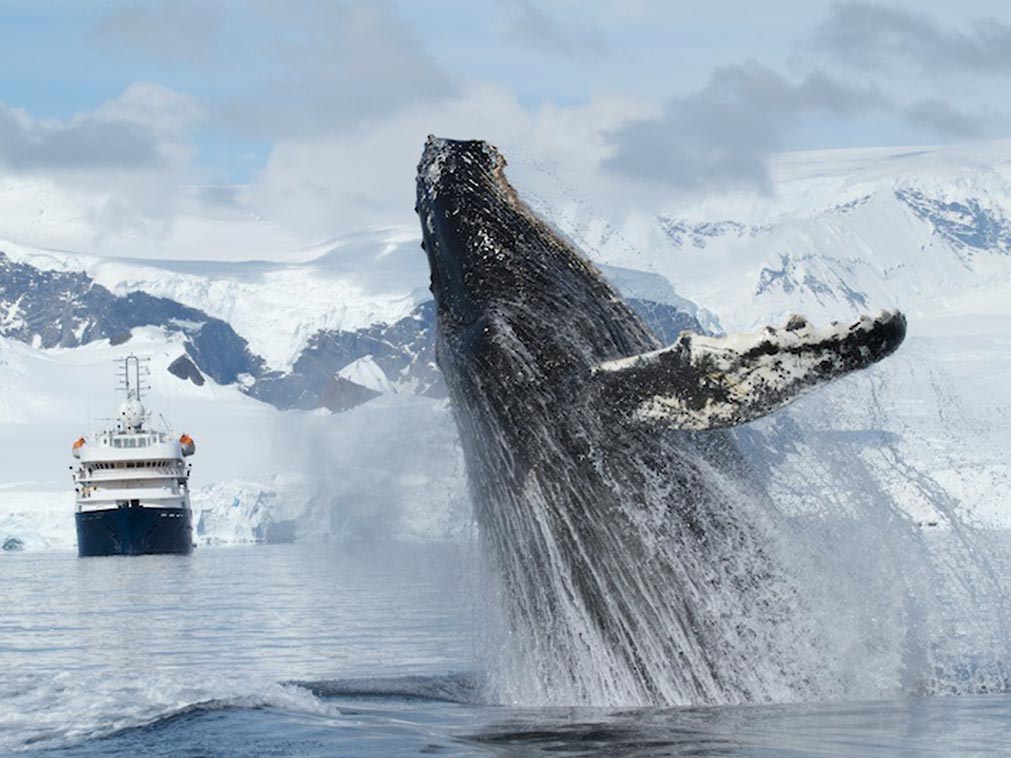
[[632, 549]]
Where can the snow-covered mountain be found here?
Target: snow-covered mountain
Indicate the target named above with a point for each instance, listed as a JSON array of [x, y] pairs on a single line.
[[310, 378], [928, 230]]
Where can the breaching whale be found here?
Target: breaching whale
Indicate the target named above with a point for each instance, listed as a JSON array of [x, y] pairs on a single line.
[[628, 546]]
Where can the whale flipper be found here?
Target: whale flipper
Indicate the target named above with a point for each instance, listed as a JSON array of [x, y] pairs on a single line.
[[704, 382]]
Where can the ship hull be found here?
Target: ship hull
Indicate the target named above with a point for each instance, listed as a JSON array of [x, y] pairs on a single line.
[[134, 530]]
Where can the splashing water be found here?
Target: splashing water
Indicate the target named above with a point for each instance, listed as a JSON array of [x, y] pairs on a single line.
[[738, 602]]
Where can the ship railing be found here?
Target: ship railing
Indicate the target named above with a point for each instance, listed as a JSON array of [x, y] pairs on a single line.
[[86, 506], [113, 469], [152, 479], [111, 494]]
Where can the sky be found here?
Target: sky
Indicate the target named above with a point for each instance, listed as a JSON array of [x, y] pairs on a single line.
[[313, 113]]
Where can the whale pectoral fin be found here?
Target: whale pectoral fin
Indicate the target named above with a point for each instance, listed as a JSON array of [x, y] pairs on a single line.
[[704, 382]]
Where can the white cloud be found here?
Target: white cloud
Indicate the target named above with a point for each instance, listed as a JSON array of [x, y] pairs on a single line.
[[534, 28], [344, 92], [333, 66], [181, 30], [167, 114], [877, 36], [721, 136], [125, 162], [144, 128], [332, 184]]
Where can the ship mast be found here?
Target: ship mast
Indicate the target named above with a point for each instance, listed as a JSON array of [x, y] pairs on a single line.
[[132, 375], [133, 382]]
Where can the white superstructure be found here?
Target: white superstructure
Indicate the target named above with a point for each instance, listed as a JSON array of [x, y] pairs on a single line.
[[132, 464]]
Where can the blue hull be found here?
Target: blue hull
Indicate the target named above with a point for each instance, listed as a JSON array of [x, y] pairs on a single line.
[[134, 531]]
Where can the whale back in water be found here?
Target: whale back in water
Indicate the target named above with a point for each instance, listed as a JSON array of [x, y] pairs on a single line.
[[631, 553]]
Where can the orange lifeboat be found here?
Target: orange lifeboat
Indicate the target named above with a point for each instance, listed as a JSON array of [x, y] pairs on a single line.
[[76, 447], [187, 444]]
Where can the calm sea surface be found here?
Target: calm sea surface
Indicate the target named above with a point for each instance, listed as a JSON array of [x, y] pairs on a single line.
[[326, 650]]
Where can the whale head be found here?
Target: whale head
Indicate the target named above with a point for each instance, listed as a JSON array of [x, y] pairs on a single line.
[[517, 307]]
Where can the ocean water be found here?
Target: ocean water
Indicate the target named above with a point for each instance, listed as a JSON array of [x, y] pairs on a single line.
[[367, 650]]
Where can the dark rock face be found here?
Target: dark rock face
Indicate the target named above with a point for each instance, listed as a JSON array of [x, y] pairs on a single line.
[[791, 277], [221, 353], [184, 368], [967, 225], [404, 350], [681, 233], [67, 309], [665, 321]]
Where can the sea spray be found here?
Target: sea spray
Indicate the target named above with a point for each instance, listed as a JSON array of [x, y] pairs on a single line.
[[904, 584], [850, 600], [706, 613]]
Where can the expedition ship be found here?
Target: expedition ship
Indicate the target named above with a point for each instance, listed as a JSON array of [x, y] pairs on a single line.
[[132, 482]]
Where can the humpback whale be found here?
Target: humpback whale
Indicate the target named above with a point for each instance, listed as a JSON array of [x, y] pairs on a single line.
[[630, 552]]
